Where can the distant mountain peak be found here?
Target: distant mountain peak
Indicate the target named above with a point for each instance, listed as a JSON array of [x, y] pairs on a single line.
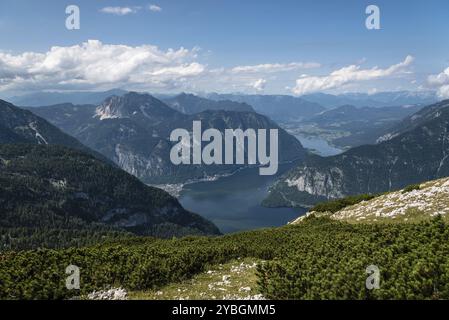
[[133, 105], [109, 109]]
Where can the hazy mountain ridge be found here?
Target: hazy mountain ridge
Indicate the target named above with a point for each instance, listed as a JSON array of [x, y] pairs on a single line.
[[191, 104], [379, 99], [349, 113], [50, 98], [277, 107], [359, 125], [413, 121], [418, 154]]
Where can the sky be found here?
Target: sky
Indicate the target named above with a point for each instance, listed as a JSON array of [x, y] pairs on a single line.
[[253, 46]]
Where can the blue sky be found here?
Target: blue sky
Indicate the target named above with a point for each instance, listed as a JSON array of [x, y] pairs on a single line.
[[293, 40]]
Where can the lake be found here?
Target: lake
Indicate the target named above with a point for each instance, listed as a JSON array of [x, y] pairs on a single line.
[[233, 203], [318, 145]]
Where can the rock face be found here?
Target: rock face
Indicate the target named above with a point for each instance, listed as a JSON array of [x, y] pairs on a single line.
[[417, 151], [134, 130], [141, 108]]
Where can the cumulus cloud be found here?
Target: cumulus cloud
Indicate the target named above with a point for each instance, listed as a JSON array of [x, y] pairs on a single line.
[[443, 92], [441, 82], [154, 8], [275, 67], [348, 75], [259, 84], [120, 11], [94, 64]]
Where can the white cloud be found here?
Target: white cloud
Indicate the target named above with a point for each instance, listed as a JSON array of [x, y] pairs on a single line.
[[275, 67], [94, 64], [348, 75], [259, 84], [154, 8], [443, 92], [441, 82], [119, 11]]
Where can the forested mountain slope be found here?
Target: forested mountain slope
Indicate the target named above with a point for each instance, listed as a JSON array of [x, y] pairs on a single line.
[[49, 193]]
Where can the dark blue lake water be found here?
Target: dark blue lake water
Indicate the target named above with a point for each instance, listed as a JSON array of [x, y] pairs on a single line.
[[233, 203]]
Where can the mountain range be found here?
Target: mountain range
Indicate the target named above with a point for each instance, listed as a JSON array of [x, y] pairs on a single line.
[[133, 130], [379, 99], [55, 191], [277, 107], [76, 97], [418, 150], [265, 104], [191, 104], [355, 126]]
